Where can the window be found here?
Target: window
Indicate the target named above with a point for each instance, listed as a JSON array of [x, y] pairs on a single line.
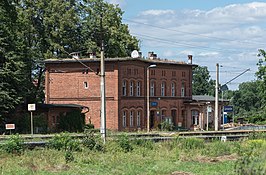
[[173, 73], [86, 86], [131, 93], [138, 118], [173, 89], [183, 90], [195, 117], [131, 119], [124, 88], [163, 89], [124, 119], [183, 74], [152, 90], [163, 73], [138, 88]]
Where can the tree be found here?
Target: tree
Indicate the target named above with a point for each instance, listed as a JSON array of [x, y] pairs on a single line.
[[12, 74], [261, 75], [201, 82]]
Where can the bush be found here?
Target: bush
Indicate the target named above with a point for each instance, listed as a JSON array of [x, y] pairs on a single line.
[[166, 126], [63, 141], [93, 142], [14, 145], [125, 143], [73, 121], [252, 162]]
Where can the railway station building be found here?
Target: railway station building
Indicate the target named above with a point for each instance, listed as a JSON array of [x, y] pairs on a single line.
[[130, 83]]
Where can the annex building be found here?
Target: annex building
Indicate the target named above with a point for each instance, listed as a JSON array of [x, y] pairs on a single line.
[[69, 81]]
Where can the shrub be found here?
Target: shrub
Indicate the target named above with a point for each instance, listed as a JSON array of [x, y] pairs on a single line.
[[73, 121], [125, 143], [14, 145], [166, 126], [93, 142], [63, 141], [252, 162]]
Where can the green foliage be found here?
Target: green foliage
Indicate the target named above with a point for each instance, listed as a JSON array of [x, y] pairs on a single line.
[[201, 82], [69, 157], [191, 143], [93, 142], [13, 145], [253, 160], [73, 121], [166, 126], [125, 143], [63, 141]]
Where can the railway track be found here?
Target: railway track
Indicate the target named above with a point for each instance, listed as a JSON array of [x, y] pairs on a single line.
[[42, 140]]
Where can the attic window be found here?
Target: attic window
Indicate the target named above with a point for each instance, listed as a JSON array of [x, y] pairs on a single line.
[[86, 85]]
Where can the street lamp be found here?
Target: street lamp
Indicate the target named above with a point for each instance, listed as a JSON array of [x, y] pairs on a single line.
[[148, 96]]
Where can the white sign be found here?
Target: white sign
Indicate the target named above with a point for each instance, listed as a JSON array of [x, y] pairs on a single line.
[[10, 126], [31, 107], [209, 109]]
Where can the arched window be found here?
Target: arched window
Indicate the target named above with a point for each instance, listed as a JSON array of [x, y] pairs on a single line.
[[131, 119], [138, 88], [124, 88], [124, 121], [152, 89], [173, 85], [138, 118], [183, 90], [163, 88], [195, 117], [131, 88]]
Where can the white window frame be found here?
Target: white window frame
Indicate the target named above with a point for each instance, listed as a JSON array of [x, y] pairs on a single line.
[[124, 122], [131, 119], [163, 89], [138, 118], [183, 90], [138, 88], [131, 88], [124, 88], [152, 89], [173, 89]]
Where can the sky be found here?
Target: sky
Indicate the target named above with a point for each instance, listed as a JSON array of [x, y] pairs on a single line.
[[227, 32]]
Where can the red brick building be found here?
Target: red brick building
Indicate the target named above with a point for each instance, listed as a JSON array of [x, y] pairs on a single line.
[[70, 82]]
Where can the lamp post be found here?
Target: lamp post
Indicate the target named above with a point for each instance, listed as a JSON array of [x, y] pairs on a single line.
[[148, 96], [216, 99]]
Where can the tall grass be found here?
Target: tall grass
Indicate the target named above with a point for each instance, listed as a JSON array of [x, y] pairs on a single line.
[[134, 156]]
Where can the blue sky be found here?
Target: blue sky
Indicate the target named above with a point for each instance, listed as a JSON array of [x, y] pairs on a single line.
[[228, 32]]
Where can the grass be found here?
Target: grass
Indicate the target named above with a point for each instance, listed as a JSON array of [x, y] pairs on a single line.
[[145, 158]]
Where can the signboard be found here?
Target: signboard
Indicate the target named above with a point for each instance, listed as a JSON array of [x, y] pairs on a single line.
[[10, 126], [228, 109], [31, 107], [154, 103]]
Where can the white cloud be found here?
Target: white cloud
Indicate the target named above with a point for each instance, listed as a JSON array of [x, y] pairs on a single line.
[[229, 35], [157, 12], [208, 54]]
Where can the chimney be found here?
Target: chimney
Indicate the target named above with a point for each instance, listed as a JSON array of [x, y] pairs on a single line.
[[189, 59], [152, 55], [92, 55]]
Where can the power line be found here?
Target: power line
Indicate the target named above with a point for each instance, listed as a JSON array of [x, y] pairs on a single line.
[[182, 44], [195, 34]]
